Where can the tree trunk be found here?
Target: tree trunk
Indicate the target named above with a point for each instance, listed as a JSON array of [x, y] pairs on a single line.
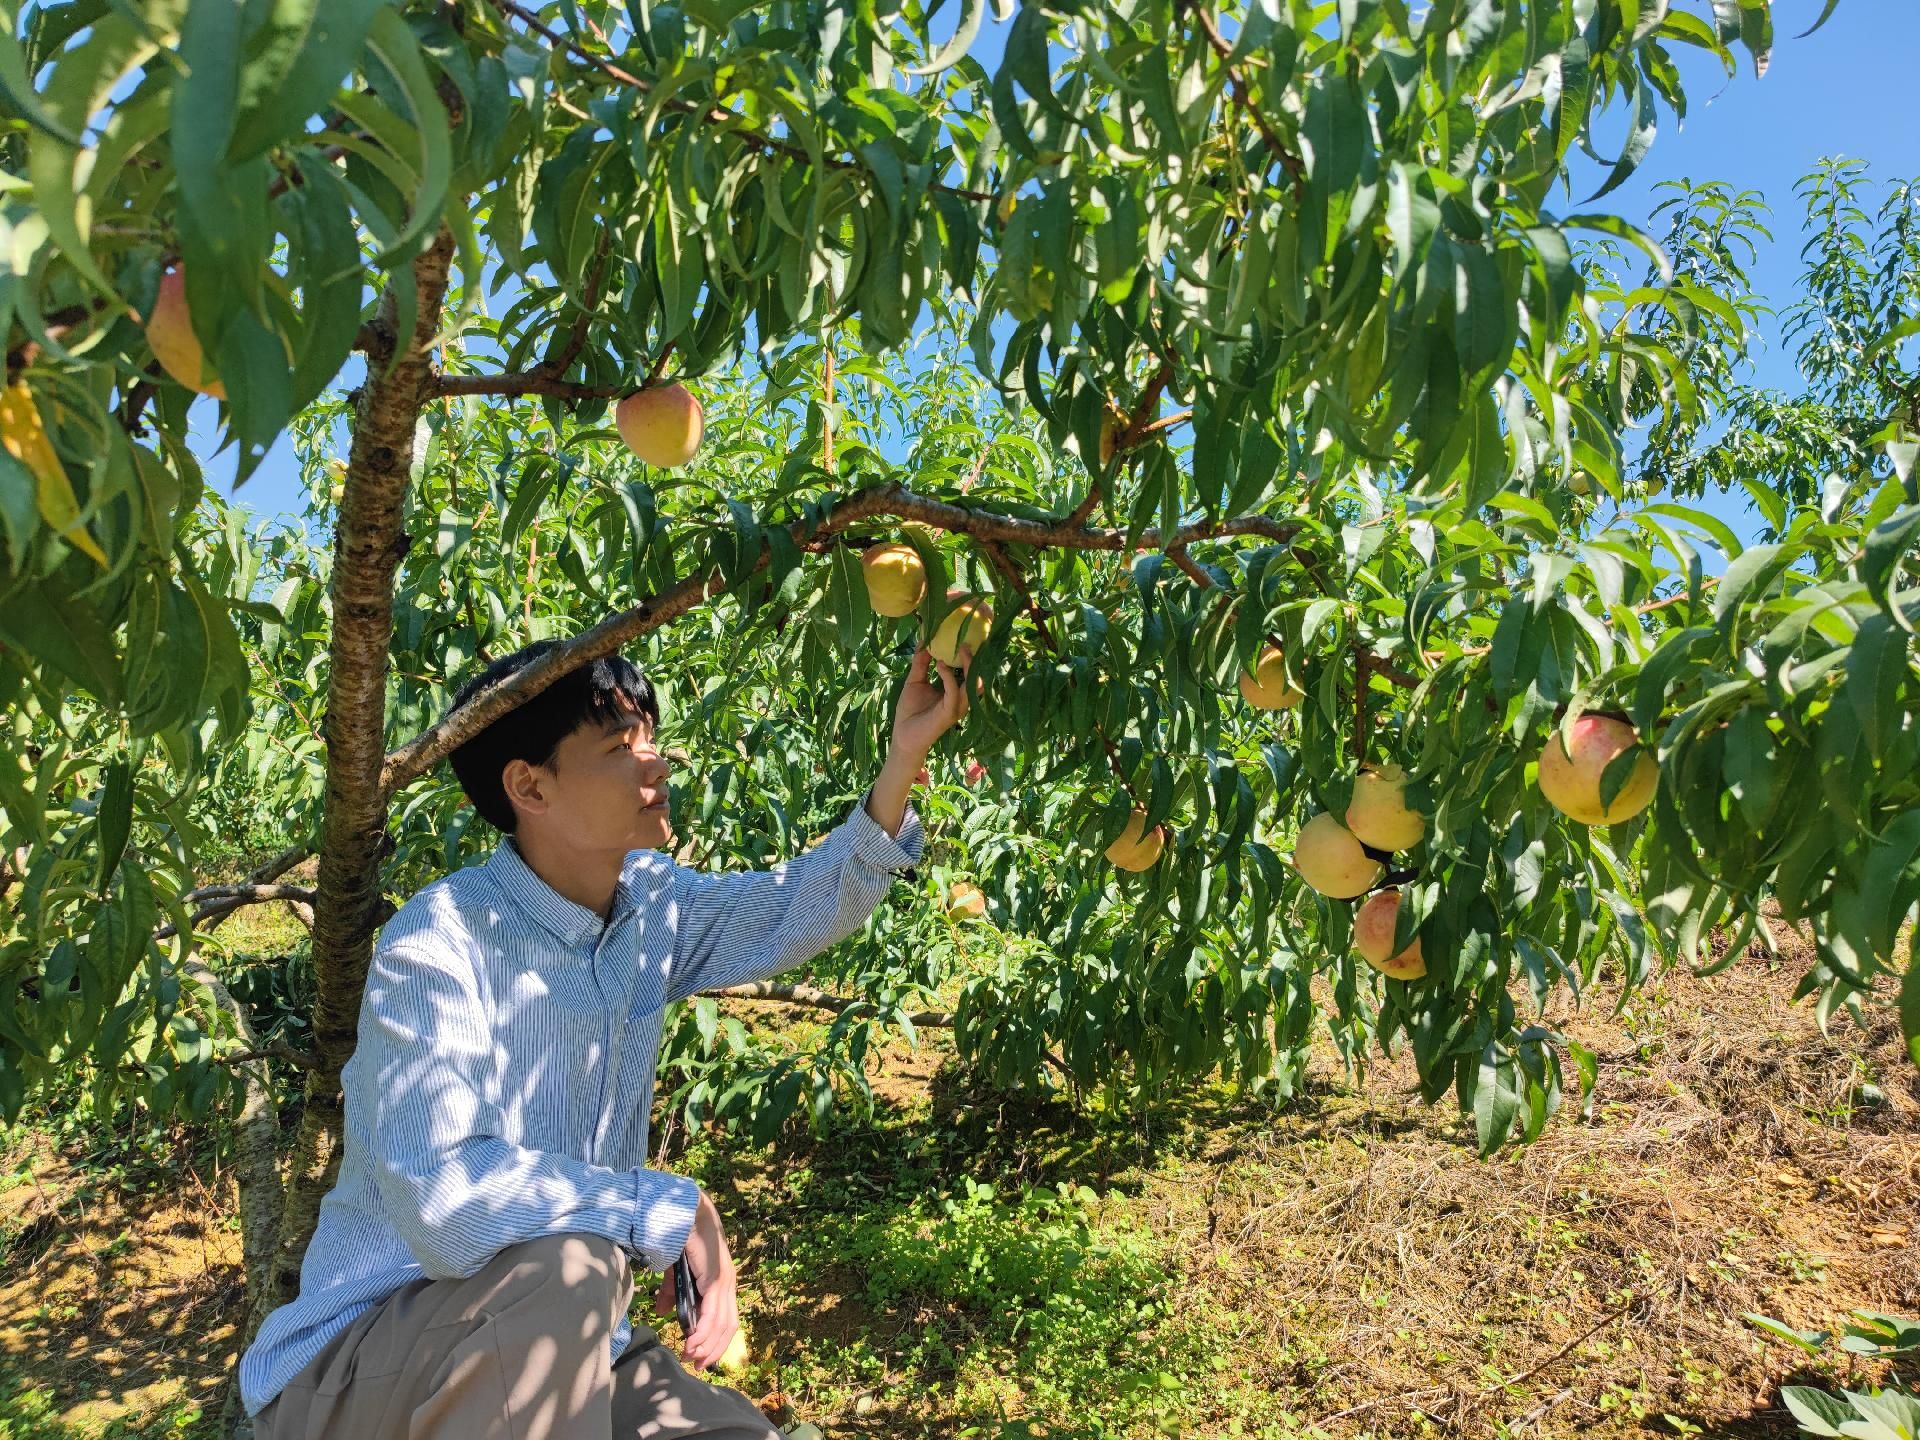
[[368, 546]]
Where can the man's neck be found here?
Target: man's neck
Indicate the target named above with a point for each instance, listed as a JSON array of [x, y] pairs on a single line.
[[586, 877]]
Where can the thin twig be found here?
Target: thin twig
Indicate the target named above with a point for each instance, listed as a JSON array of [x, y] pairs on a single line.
[[826, 411], [1237, 86], [1359, 703], [589, 301], [277, 1050]]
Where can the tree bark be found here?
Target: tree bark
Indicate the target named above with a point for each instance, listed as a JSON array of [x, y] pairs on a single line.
[[368, 547]]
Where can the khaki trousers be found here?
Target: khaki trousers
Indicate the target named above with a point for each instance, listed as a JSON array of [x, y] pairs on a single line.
[[517, 1351]]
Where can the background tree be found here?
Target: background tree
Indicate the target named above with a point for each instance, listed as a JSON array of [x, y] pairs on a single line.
[[1290, 352]]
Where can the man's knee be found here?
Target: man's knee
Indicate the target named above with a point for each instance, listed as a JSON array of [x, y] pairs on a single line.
[[574, 1261]]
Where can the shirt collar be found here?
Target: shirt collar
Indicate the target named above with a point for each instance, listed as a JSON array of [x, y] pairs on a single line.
[[568, 920]]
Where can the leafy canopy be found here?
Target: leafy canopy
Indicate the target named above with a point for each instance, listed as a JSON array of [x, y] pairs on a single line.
[[1369, 374]]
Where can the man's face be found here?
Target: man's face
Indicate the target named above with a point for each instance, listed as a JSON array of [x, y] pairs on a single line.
[[606, 790]]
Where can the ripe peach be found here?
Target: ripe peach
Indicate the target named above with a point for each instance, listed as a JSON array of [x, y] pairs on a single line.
[[170, 334], [1373, 937], [966, 624], [1330, 859], [1266, 688], [1137, 847], [663, 426], [1378, 815], [896, 579], [965, 899], [1570, 776]]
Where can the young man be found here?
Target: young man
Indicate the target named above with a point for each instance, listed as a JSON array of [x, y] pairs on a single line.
[[472, 1268]]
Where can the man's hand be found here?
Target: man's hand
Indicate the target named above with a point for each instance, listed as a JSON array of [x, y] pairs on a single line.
[[719, 1289], [925, 713]]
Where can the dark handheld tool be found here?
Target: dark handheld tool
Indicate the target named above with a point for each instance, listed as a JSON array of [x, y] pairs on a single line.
[[686, 1295]]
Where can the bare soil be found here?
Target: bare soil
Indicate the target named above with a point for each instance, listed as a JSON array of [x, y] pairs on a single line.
[[1382, 1280]]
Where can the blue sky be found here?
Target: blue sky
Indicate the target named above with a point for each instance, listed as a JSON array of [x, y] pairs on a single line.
[[1848, 90]]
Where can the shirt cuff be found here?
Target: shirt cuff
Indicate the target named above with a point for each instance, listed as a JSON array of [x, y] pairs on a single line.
[[879, 849], [664, 1207]]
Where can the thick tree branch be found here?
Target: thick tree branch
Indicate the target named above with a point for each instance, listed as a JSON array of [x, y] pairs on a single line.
[[249, 894], [215, 908], [821, 1000], [420, 754], [216, 902], [710, 114], [277, 1050]]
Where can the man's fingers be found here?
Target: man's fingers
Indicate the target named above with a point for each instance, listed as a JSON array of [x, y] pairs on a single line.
[[713, 1331], [917, 671]]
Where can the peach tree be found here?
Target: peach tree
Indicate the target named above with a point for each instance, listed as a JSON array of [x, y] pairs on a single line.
[[1321, 458]]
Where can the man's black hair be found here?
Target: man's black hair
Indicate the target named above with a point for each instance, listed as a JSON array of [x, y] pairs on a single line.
[[597, 694]]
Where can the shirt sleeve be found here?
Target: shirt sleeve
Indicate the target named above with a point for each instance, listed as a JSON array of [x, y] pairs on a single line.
[[730, 929], [457, 1192]]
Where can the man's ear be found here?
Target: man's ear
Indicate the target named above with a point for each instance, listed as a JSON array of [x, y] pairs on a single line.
[[525, 787]]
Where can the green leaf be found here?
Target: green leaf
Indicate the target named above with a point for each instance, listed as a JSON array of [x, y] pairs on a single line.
[[1811, 1341], [67, 633], [297, 57], [17, 86], [971, 15], [1639, 135], [1910, 1000], [392, 42], [325, 264], [1876, 669], [1880, 557], [113, 821], [1496, 1099]]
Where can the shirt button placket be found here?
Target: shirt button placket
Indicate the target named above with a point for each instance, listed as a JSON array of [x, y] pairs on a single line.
[[610, 1049]]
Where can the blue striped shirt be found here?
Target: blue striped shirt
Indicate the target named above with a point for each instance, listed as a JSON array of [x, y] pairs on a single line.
[[502, 1079]]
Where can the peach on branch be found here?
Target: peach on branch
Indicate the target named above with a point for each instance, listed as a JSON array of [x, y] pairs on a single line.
[[965, 899], [976, 772], [1373, 926], [1378, 813], [1332, 860], [967, 623], [1265, 687], [1570, 773], [170, 335], [1137, 847], [662, 425], [896, 579]]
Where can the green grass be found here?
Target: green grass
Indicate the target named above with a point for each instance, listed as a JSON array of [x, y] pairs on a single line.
[[906, 1295], [29, 1413]]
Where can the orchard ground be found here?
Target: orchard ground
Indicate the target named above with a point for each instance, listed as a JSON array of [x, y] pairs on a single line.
[[1344, 1268]]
